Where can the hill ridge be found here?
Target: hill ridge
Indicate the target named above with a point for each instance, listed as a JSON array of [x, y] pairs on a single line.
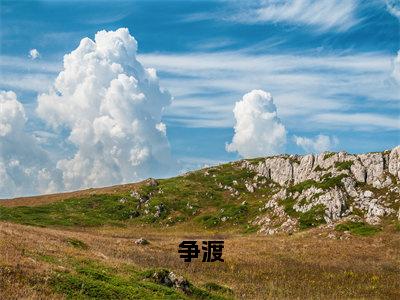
[[283, 193]]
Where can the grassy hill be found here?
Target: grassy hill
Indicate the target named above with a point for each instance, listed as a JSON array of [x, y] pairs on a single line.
[[81, 244]]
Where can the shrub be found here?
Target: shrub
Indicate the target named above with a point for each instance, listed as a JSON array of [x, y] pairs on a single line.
[[209, 221], [304, 185], [329, 154], [344, 165], [358, 228], [312, 218]]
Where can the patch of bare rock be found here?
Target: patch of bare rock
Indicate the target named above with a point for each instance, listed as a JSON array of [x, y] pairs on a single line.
[[339, 185]]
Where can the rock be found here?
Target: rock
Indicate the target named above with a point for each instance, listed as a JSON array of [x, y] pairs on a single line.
[[179, 282], [358, 171], [289, 226], [368, 194], [373, 220], [122, 200], [374, 209], [326, 160], [331, 236], [170, 279], [335, 203], [394, 162], [374, 165], [373, 199], [249, 187], [281, 170], [151, 182], [142, 241], [135, 194], [159, 210], [349, 186], [304, 169], [134, 214]]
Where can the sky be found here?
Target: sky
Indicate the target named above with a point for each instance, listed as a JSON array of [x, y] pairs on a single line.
[[104, 92]]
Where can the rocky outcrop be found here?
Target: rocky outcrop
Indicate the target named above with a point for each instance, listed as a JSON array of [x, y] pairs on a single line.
[[370, 168], [363, 185]]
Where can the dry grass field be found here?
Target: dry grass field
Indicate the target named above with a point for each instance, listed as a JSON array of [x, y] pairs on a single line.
[[303, 265]]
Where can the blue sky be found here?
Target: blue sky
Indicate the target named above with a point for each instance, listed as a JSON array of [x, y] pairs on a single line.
[[328, 64]]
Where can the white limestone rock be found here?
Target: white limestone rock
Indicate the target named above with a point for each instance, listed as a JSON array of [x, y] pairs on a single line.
[[249, 187], [349, 186], [394, 162], [358, 171], [303, 171], [374, 165]]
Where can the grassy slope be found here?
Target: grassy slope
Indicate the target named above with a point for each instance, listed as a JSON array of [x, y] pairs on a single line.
[[193, 198], [86, 241]]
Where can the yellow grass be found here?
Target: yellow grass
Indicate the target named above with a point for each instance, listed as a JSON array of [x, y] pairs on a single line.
[[303, 265]]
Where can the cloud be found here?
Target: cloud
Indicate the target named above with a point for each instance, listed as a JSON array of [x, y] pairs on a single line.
[[36, 82], [319, 144], [112, 108], [396, 68], [15, 63], [303, 85], [393, 6], [24, 74], [358, 121], [24, 167], [34, 54], [258, 130], [322, 15]]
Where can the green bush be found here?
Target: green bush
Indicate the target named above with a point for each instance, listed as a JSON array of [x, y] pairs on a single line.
[[326, 183], [208, 221], [329, 154], [312, 218], [304, 185], [358, 228], [344, 165], [288, 207]]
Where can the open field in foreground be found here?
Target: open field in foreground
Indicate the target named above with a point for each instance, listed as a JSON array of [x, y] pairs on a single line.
[[105, 262]]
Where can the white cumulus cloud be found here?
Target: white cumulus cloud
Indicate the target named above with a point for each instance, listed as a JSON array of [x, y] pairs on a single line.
[[34, 54], [112, 108], [318, 144], [24, 167], [258, 130]]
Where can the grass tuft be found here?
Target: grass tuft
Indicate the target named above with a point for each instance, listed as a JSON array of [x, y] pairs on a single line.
[[77, 243], [358, 228], [344, 165]]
